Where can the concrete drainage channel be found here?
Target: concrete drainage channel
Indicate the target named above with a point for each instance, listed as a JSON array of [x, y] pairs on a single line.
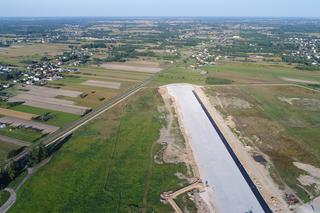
[[244, 173]]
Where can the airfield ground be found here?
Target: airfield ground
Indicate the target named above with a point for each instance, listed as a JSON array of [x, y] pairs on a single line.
[[112, 166], [215, 163], [280, 123], [230, 82]]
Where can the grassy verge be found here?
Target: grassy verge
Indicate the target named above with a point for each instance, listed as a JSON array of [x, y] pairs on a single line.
[[4, 196], [184, 203], [217, 81], [104, 167], [5, 148], [15, 183]]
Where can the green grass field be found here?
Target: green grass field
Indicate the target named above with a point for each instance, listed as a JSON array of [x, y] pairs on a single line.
[[287, 131], [107, 166], [5, 148], [4, 196], [179, 74], [23, 134], [259, 73], [60, 119], [18, 53]]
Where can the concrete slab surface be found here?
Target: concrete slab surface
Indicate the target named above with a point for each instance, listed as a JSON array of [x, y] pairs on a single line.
[[228, 191]]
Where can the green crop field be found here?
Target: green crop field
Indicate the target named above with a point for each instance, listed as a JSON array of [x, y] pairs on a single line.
[[4, 195], [107, 166], [59, 119], [24, 134], [285, 119], [259, 73]]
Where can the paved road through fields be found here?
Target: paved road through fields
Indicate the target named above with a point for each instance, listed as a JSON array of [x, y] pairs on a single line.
[[228, 190]]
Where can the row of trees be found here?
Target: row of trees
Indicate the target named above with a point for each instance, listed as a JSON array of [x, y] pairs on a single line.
[[38, 153], [14, 168]]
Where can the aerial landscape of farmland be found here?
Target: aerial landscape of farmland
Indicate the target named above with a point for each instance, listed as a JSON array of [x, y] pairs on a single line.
[[159, 114]]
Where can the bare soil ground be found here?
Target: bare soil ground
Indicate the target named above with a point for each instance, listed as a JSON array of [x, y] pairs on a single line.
[[44, 97], [130, 67], [16, 122], [50, 103], [16, 114], [312, 176], [50, 92], [259, 173], [106, 78], [311, 207], [104, 84]]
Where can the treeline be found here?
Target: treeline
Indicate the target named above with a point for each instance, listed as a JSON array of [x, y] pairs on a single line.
[[14, 168], [308, 67], [13, 74], [123, 52], [303, 62], [256, 46], [34, 156], [94, 45]]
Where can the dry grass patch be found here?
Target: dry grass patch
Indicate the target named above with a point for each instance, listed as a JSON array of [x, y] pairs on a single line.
[[16, 114], [104, 84], [132, 67]]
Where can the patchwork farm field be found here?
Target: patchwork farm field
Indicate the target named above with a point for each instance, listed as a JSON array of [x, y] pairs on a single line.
[[238, 73], [107, 168], [19, 53], [59, 119], [93, 82], [282, 122], [63, 101], [93, 71]]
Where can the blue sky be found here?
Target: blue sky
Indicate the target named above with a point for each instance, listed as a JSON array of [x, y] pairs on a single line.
[[301, 8]]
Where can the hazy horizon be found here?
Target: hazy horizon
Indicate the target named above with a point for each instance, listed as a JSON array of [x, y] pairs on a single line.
[[163, 8]]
